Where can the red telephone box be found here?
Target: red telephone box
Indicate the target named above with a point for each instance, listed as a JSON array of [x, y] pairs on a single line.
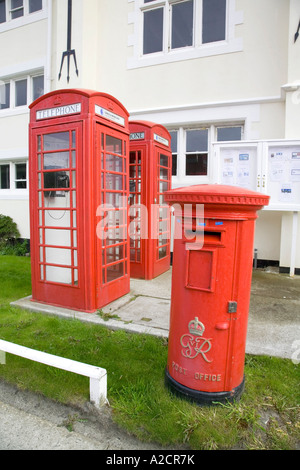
[[211, 283], [78, 159], [150, 174]]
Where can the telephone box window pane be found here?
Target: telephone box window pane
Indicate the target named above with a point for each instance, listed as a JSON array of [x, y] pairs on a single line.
[[58, 274], [114, 163], [163, 160], [114, 272], [35, 5], [153, 31], [57, 141], [17, 9], [2, 11], [213, 21], [4, 177], [4, 96], [37, 87], [182, 24], [21, 92], [113, 145], [196, 164], [229, 133], [56, 160]]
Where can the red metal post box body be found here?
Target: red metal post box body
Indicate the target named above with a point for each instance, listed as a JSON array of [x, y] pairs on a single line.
[[211, 284], [150, 163], [78, 162]]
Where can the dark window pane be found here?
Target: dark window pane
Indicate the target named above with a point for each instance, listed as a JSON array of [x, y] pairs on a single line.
[[17, 9], [35, 5], [4, 177], [197, 140], [38, 87], [21, 171], [21, 176], [229, 133], [173, 135], [196, 164], [174, 165], [2, 11], [4, 96], [21, 93], [153, 31], [182, 24], [214, 20]]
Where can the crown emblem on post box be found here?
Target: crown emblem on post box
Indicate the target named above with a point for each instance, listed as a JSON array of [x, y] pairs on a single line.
[[196, 327]]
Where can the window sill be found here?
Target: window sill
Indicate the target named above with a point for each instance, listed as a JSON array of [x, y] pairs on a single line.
[[14, 194], [23, 21], [206, 50], [14, 111]]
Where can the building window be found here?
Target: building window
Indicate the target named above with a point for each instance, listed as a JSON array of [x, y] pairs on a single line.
[[2, 11], [213, 21], [21, 92], [229, 133], [13, 175], [166, 31], [16, 9], [4, 96], [13, 9], [20, 176], [153, 31], [173, 135], [37, 87], [196, 152], [35, 5], [171, 25], [4, 177], [191, 149]]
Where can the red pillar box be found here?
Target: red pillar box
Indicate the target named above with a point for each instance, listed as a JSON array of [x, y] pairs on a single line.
[[78, 159], [150, 164], [211, 283]]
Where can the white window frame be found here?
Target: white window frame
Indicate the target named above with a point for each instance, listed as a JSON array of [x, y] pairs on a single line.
[[26, 18], [181, 177], [12, 82], [12, 178], [135, 18]]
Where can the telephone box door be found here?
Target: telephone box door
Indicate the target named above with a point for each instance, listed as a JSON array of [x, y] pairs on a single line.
[[138, 216], [162, 219], [56, 204], [112, 239]]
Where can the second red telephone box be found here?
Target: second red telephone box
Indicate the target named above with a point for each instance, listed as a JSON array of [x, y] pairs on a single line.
[[150, 163], [78, 161]]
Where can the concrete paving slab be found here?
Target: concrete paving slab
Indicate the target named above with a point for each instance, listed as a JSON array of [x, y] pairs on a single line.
[[274, 315]]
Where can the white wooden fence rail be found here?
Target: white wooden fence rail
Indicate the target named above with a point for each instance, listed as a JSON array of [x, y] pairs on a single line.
[[97, 375]]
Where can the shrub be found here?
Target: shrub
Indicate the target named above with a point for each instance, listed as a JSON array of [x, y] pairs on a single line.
[[8, 228]]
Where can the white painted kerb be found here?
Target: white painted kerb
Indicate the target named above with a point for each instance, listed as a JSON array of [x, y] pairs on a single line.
[[97, 375]]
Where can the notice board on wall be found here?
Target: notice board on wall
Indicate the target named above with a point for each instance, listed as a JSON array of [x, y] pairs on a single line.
[[270, 167], [283, 175]]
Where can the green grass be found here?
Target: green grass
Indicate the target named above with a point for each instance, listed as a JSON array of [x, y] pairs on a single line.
[[267, 416]]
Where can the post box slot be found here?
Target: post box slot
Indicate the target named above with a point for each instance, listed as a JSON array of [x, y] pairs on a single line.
[[210, 237]]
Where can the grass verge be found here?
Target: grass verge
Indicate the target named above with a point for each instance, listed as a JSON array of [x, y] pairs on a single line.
[[267, 416]]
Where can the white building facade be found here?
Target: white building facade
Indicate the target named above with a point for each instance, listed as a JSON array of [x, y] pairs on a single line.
[[210, 71]]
